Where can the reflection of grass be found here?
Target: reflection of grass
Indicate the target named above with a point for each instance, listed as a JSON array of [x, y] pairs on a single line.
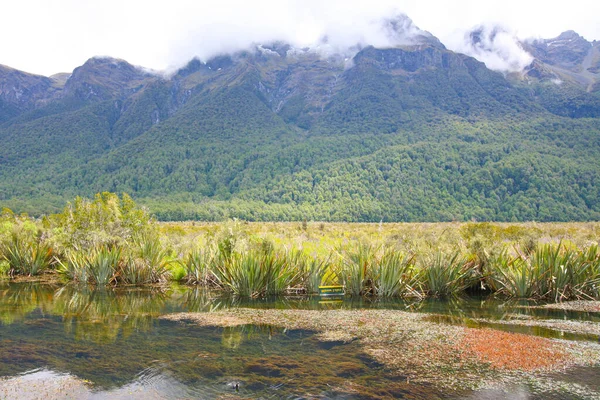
[[100, 315]]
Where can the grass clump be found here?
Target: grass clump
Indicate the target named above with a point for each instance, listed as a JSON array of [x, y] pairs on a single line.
[[395, 275], [26, 258], [445, 275], [148, 264], [255, 273]]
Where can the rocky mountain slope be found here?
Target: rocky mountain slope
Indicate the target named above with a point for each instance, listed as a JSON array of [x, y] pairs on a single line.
[[409, 131]]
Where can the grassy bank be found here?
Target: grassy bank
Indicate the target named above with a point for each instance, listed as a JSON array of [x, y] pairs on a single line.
[[110, 241]]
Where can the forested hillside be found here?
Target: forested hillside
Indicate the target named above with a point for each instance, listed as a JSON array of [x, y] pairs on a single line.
[[409, 133]]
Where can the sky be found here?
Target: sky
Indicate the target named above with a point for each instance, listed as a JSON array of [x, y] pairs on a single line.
[[51, 36]]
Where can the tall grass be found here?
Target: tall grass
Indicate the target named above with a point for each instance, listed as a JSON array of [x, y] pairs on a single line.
[[551, 271], [395, 275], [445, 275], [356, 269], [148, 264], [255, 273], [314, 271], [516, 277], [198, 265], [75, 267], [103, 264], [25, 257]]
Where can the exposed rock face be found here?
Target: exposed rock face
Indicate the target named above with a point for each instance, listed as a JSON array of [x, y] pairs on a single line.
[[102, 78], [23, 89], [568, 50]]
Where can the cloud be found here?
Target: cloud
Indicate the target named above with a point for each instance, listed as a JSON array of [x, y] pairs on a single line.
[[329, 27], [60, 35], [495, 46]]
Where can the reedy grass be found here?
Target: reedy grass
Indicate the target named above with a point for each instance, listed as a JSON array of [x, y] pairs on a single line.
[[515, 277], [445, 275], [103, 264], [75, 267], [149, 263], [355, 269], [199, 264], [395, 275], [255, 273], [315, 271], [516, 260], [25, 257], [552, 271]]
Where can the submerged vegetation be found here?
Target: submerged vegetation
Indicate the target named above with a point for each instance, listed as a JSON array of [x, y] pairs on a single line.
[[110, 241]]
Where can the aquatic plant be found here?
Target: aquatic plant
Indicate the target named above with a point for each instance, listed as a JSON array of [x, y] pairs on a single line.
[[445, 275], [313, 271], [198, 266], [516, 277], [103, 264], [355, 269], [149, 263], [26, 257], [395, 275], [255, 273], [75, 267], [588, 283]]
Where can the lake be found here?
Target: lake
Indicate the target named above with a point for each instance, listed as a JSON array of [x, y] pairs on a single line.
[[77, 342]]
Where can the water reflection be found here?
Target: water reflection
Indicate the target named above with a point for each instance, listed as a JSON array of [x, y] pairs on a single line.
[[114, 340]]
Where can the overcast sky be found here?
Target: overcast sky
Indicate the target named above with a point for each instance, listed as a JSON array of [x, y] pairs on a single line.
[[50, 36]]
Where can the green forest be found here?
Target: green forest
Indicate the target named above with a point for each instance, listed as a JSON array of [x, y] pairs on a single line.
[[448, 141]]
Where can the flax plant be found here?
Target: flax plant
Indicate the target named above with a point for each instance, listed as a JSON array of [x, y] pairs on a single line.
[[25, 257], [356, 268], [103, 264], [445, 275], [198, 265], [516, 277], [395, 275], [149, 264], [255, 273]]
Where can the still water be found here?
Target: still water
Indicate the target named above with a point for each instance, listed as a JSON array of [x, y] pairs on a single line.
[[76, 342]]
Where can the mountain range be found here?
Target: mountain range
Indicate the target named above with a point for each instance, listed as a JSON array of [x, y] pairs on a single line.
[[410, 131]]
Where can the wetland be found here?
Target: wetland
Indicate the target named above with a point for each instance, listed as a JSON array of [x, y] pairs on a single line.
[[188, 342]]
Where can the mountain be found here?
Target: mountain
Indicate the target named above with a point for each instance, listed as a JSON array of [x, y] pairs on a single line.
[[403, 131]]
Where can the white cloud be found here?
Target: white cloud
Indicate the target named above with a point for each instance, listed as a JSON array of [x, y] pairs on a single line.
[[498, 48], [55, 36]]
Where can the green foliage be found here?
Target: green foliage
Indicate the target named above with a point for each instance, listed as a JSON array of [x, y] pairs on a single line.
[[198, 265], [107, 220], [26, 258], [396, 275], [256, 273], [356, 269], [150, 263], [103, 264], [445, 275], [553, 271], [75, 266]]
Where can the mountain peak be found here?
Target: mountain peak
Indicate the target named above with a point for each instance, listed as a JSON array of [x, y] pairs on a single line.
[[401, 30], [105, 77]]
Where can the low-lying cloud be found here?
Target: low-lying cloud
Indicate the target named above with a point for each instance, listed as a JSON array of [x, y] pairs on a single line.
[[62, 34], [495, 46]]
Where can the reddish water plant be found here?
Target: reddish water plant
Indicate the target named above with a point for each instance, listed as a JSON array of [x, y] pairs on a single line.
[[513, 351]]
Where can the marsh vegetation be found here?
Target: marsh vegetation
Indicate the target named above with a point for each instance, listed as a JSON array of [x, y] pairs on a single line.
[[110, 241]]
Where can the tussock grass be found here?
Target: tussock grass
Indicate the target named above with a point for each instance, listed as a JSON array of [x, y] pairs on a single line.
[[25, 257], [109, 240]]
